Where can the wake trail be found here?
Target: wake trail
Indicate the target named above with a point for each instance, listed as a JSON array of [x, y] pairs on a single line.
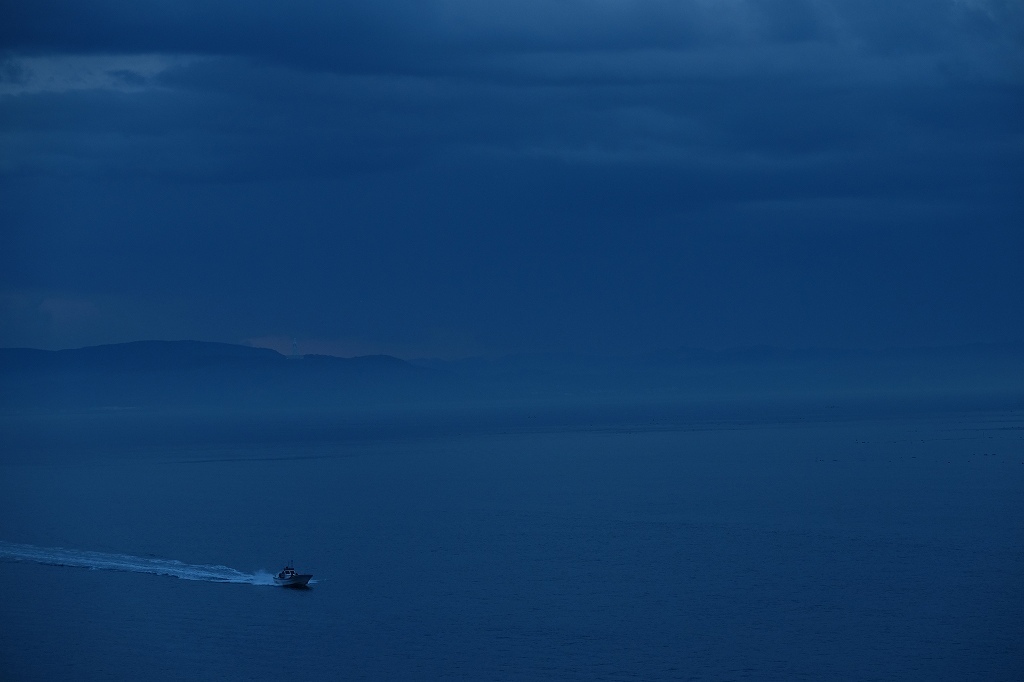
[[103, 561]]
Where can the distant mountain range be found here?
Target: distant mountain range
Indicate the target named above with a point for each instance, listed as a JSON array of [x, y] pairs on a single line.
[[151, 374], [195, 373]]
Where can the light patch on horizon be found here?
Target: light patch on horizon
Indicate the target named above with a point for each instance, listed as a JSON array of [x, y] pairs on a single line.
[[440, 344]]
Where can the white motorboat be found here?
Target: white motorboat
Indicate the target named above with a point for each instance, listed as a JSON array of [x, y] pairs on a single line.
[[289, 578]]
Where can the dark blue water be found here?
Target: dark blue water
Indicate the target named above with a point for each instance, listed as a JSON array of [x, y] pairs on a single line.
[[655, 545]]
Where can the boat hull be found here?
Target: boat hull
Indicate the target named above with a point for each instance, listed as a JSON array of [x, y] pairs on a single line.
[[299, 580]]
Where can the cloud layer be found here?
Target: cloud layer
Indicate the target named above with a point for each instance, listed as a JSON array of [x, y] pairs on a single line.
[[575, 175]]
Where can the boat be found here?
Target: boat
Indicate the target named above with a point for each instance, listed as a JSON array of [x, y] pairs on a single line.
[[289, 578]]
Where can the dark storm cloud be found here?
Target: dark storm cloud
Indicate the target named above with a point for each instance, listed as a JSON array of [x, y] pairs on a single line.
[[376, 36], [524, 175]]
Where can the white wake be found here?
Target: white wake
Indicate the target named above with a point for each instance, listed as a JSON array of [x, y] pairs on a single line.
[[102, 561]]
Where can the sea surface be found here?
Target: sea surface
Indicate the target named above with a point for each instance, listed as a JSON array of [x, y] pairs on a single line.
[[739, 542]]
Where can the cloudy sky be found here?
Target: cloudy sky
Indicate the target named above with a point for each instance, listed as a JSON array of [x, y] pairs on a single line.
[[456, 177]]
